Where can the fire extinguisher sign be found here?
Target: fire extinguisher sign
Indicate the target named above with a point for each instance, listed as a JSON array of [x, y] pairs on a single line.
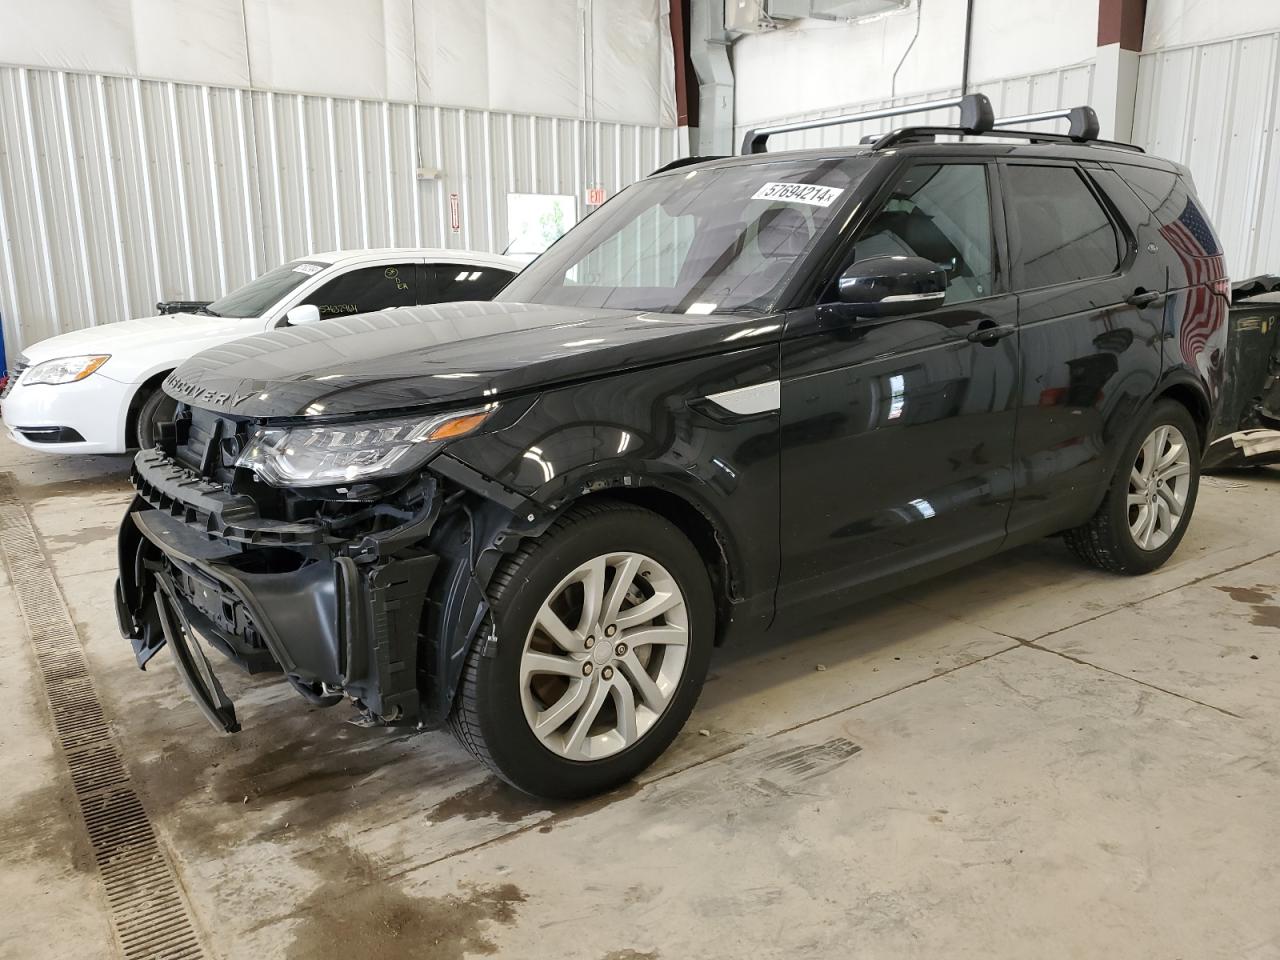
[[455, 213]]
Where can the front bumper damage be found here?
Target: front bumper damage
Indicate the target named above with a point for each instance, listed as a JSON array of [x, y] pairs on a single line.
[[383, 617]]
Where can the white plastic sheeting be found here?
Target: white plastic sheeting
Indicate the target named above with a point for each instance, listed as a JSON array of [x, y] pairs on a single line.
[[1216, 107], [118, 192], [1065, 87]]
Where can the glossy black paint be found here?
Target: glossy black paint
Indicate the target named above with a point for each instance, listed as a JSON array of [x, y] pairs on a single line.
[[438, 356], [891, 286], [896, 436], [902, 446], [1089, 363], [641, 435]]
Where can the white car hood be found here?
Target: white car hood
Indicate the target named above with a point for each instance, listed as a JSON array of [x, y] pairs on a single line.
[[140, 344]]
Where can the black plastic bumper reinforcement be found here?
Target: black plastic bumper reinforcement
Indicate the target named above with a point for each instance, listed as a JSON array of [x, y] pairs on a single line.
[[191, 661], [172, 488], [330, 622]]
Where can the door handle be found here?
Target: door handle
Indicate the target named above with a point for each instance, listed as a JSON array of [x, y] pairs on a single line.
[[989, 333], [1144, 298]]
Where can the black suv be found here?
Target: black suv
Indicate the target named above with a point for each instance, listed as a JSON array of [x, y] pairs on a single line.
[[744, 390]]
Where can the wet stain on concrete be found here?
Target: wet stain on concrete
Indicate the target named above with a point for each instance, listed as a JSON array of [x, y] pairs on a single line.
[[1246, 594], [355, 911], [488, 799], [84, 537], [291, 773], [44, 828], [1265, 614]]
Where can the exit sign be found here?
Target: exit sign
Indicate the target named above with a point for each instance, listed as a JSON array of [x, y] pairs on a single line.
[[595, 196]]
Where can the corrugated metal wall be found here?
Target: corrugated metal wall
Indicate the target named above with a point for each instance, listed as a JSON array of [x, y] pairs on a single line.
[[1216, 108], [117, 192], [1067, 86]]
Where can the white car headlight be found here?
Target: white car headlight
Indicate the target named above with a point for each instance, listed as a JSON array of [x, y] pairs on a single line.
[[64, 369], [341, 453]]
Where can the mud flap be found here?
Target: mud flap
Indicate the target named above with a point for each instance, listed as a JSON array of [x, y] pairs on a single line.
[[191, 661]]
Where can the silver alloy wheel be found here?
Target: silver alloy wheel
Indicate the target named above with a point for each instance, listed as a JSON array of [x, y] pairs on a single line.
[[604, 656], [1158, 486]]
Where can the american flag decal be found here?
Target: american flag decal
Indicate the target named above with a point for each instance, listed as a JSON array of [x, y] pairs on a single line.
[[1208, 291]]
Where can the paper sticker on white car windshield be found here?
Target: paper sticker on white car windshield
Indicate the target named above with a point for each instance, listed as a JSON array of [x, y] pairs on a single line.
[[810, 193], [310, 269]]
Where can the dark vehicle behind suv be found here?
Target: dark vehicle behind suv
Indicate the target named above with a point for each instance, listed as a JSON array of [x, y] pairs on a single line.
[[743, 391]]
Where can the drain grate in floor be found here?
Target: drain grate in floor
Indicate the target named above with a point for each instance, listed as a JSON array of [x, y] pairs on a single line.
[[149, 911]]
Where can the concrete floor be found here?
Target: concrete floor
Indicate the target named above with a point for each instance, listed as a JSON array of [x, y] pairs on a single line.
[[1027, 758]]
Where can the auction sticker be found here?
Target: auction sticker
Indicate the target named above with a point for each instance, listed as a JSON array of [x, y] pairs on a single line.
[[310, 269], [808, 193]]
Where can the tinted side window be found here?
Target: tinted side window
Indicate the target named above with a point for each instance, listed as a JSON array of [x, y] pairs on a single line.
[[460, 281], [1058, 230], [366, 289], [940, 212]]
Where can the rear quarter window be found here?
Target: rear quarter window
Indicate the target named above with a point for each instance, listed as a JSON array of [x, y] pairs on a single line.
[[1155, 188]]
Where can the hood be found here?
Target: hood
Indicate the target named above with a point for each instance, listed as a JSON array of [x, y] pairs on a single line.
[[442, 355], [176, 334]]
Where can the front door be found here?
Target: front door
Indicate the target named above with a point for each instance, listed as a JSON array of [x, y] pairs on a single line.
[[897, 433]]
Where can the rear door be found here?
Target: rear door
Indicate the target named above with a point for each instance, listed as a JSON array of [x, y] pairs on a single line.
[[897, 433], [1090, 298]]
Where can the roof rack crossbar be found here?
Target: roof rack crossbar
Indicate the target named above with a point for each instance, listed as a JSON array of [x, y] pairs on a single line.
[[976, 116], [1083, 122]]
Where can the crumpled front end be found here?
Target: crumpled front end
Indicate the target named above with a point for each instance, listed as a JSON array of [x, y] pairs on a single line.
[[345, 598]]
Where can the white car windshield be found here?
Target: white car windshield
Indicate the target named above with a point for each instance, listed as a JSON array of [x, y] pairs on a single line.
[[710, 240], [258, 296]]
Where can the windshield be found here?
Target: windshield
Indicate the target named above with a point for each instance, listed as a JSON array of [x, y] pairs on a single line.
[[258, 296], [695, 241]]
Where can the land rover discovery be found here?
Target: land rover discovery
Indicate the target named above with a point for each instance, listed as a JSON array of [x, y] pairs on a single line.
[[744, 390]]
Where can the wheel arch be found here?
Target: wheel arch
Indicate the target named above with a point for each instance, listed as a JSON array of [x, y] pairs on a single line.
[[695, 522], [140, 395], [1186, 391]]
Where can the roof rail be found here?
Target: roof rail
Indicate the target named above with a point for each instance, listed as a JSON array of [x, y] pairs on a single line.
[[1083, 128], [679, 162], [976, 117]]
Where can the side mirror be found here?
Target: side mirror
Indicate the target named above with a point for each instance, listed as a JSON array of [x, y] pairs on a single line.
[[892, 286], [306, 313]]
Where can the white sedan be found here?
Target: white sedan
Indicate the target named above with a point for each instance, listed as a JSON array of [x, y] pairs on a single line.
[[98, 390]]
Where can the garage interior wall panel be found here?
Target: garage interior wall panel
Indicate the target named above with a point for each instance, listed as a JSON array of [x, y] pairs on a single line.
[[116, 192], [1216, 108]]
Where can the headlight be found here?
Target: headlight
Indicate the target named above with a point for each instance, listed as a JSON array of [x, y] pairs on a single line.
[[64, 370], [342, 453]]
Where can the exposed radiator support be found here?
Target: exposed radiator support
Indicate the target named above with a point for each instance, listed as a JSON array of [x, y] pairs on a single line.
[[709, 51]]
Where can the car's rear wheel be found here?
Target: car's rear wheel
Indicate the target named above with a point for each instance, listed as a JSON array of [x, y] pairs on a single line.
[[158, 408], [604, 630], [1151, 498]]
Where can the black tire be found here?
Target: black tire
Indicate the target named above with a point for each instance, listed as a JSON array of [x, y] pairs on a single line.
[[487, 716], [158, 408], [1106, 540]]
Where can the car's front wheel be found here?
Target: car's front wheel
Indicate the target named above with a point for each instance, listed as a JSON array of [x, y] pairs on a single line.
[[604, 630]]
